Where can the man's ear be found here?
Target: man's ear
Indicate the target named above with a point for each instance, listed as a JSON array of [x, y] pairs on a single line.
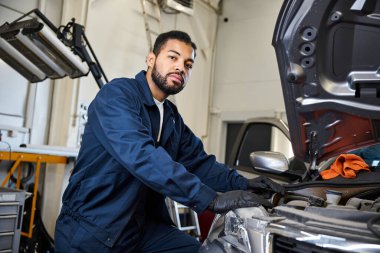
[[150, 59]]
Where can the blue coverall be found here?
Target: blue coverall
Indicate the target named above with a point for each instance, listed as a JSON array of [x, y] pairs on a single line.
[[115, 199]]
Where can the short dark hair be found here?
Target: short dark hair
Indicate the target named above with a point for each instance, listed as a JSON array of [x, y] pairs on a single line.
[[176, 35]]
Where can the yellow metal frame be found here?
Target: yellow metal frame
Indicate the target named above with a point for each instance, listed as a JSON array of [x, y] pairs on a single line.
[[19, 157]]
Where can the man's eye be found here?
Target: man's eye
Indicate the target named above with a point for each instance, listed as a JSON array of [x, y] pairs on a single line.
[[172, 57], [189, 66]]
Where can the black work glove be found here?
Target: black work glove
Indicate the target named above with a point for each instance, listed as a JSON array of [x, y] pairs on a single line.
[[264, 185], [236, 199]]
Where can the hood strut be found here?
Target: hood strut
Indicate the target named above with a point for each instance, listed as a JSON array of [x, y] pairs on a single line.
[[312, 172]]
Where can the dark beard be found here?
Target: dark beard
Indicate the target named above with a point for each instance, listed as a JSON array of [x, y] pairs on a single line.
[[161, 82]]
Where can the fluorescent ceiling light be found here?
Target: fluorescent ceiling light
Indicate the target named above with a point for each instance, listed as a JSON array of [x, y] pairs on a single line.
[[39, 57], [38, 50], [20, 63], [55, 48], [41, 51]]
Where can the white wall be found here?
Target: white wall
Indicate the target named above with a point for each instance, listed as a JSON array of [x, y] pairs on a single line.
[[246, 82]]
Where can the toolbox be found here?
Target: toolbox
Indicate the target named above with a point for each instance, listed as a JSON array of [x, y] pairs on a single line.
[[11, 212]]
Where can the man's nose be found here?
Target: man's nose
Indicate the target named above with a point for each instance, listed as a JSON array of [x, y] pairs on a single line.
[[180, 68]]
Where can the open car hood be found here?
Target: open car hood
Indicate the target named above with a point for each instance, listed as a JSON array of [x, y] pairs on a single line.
[[328, 54]]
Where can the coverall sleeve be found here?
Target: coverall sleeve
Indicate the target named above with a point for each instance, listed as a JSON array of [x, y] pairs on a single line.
[[117, 123], [212, 173]]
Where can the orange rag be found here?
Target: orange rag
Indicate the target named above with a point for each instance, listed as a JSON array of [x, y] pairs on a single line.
[[346, 165]]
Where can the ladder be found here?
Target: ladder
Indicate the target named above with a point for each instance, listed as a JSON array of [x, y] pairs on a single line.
[[152, 20], [184, 218]]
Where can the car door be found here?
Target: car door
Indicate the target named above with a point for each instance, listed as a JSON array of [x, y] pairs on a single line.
[[259, 134]]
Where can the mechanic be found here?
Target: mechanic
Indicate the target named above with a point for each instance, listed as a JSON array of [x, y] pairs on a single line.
[[136, 150]]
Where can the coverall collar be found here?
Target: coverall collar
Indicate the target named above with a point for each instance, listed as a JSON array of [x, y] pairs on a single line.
[[147, 94]]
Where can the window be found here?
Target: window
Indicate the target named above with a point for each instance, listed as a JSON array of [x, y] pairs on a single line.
[[232, 132], [257, 138]]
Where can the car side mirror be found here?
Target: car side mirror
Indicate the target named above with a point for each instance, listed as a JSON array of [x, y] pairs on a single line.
[[269, 162], [276, 165]]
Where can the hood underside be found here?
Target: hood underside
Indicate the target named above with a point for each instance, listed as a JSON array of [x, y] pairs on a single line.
[[328, 54]]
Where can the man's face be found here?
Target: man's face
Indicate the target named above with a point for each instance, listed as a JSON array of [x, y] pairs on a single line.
[[172, 67]]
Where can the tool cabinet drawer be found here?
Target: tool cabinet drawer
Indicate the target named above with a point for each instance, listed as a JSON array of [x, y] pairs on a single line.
[[9, 208], [6, 241], [7, 223]]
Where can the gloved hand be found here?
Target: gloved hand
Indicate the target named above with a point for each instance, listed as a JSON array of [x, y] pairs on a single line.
[[264, 185], [236, 199]]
